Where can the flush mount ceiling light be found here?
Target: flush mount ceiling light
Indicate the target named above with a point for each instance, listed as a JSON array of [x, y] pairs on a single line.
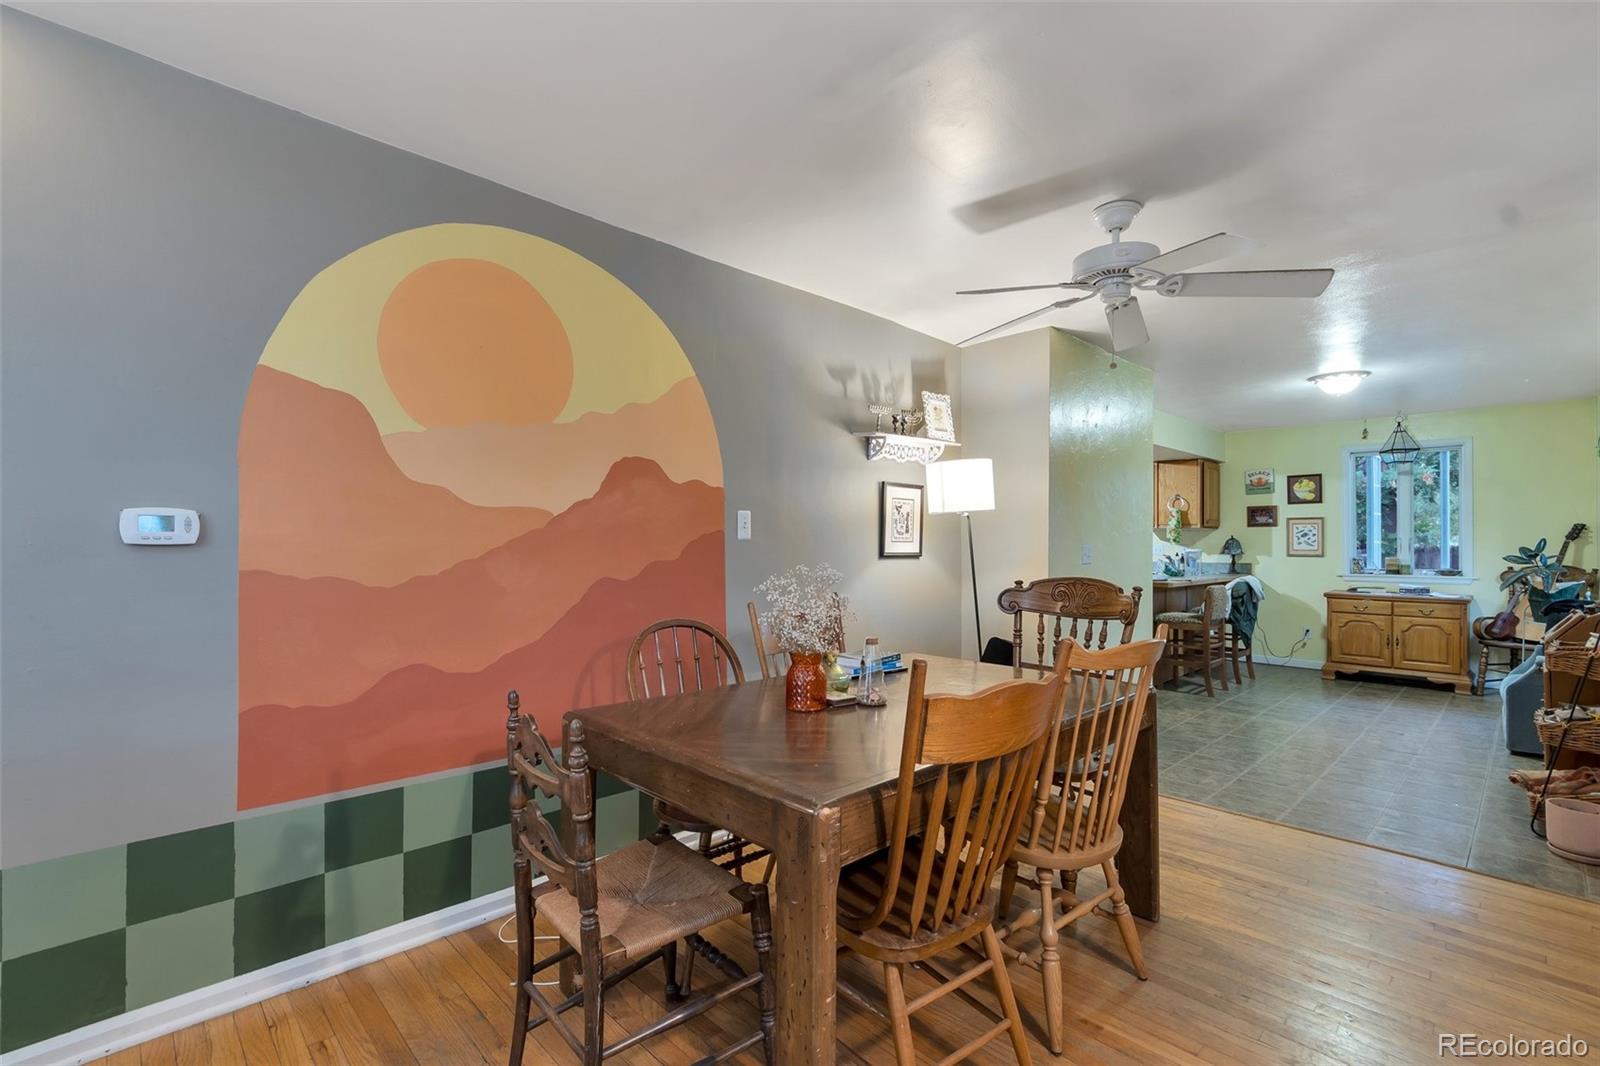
[[1401, 448], [1339, 382]]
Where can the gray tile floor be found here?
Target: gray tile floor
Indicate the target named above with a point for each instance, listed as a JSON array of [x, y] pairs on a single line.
[[1413, 769]]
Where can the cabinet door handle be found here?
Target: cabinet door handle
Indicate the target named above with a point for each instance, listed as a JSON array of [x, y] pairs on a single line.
[[1425, 610]]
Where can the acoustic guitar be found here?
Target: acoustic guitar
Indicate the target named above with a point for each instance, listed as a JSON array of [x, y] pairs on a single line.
[[1505, 625]]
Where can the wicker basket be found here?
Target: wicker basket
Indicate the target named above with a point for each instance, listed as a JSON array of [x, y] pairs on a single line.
[[1582, 734], [1572, 660]]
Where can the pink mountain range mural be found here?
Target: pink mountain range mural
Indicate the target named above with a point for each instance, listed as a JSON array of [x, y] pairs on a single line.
[[415, 540]]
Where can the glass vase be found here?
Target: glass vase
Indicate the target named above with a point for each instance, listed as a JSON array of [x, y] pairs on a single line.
[[805, 685]]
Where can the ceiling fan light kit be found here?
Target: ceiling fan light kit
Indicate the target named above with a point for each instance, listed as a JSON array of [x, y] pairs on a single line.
[[1116, 271], [1339, 382]]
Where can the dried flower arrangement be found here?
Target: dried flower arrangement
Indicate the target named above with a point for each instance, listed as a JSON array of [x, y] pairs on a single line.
[[807, 615]]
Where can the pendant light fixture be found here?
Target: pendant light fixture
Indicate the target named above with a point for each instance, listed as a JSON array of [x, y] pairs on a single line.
[[1339, 382], [1401, 448]]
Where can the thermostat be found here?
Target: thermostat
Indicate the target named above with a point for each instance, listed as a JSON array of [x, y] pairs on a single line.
[[159, 525]]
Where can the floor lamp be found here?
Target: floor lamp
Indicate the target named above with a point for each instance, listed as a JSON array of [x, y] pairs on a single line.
[[961, 486]]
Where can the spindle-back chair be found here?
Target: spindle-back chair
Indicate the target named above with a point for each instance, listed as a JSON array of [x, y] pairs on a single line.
[[1078, 599], [772, 659], [1078, 794]]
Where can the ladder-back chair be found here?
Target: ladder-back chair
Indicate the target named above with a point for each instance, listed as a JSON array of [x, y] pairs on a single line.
[[618, 914], [772, 659], [929, 891], [1073, 823], [1079, 599]]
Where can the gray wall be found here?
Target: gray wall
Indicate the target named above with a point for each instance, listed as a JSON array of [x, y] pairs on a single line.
[[154, 227]]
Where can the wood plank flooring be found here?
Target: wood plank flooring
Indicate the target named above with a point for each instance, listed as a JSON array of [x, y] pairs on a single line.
[[1277, 945]]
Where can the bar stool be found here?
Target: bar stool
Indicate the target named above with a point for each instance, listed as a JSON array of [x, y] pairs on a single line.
[[1200, 638]]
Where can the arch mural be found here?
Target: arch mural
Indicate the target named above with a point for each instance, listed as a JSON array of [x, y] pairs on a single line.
[[470, 460]]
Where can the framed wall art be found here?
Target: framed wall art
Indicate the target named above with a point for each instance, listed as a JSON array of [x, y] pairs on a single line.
[[1259, 483], [937, 416], [1261, 517], [1305, 536], [900, 511], [1305, 488]]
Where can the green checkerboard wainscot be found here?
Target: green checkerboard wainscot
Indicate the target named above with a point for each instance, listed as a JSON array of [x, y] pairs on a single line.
[[90, 936]]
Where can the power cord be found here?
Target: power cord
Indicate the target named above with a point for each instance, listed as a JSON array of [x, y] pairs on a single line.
[[1283, 660], [500, 935]]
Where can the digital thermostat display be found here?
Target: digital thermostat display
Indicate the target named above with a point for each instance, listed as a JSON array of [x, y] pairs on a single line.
[[163, 526]]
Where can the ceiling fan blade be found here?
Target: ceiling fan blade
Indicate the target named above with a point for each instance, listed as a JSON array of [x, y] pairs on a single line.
[[1207, 250], [1022, 288], [1127, 325], [1248, 283], [1022, 318]]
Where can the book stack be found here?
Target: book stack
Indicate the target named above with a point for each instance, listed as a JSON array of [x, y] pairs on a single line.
[[852, 663]]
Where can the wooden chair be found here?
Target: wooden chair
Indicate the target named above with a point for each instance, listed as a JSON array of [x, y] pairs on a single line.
[[684, 655], [930, 891], [1074, 825], [1086, 599], [1200, 638], [619, 914], [773, 660]]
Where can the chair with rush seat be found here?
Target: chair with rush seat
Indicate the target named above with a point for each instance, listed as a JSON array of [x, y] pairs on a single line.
[[619, 914], [929, 892]]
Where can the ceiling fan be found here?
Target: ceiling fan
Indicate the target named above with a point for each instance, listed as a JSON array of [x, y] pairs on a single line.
[[1115, 270]]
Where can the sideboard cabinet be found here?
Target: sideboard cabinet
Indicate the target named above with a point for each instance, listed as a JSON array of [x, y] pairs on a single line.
[[1400, 635]]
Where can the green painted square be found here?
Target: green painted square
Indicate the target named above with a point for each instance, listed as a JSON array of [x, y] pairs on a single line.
[[363, 897], [47, 904], [180, 872], [61, 988], [436, 811], [491, 798], [491, 861], [274, 849], [277, 923], [363, 828], [179, 953], [438, 876], [616, 822]]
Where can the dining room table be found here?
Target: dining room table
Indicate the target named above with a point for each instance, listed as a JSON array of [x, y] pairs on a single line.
[[817, 790]]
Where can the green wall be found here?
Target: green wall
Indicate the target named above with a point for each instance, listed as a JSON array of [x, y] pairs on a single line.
[[1534, 473], [1183, 435]]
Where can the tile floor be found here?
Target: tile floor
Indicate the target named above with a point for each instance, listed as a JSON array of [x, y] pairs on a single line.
[[1412, 769]]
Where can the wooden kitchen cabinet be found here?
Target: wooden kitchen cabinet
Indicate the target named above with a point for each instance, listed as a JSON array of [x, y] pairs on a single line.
[[1197, 480], [1400, 635]]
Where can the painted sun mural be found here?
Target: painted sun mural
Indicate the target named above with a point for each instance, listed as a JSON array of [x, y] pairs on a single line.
[[470, 460]]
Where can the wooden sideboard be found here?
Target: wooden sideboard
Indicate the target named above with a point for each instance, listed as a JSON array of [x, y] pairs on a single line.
[[1399, 635]]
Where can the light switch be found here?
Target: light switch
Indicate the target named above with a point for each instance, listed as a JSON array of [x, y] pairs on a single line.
[[744, 525], [1087, 556]]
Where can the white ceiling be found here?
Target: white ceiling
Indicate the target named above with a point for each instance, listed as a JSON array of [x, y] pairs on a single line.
[[1444, 158]]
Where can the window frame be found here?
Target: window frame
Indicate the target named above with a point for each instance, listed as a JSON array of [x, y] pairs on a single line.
[[1348, 505]]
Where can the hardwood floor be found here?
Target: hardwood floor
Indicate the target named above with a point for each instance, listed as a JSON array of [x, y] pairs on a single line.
[[1276, 945]]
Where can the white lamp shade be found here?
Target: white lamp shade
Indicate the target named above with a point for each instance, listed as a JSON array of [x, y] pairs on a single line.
[[960, 485]]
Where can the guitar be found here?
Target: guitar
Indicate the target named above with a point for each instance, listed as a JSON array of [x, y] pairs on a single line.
[[1508, 622]]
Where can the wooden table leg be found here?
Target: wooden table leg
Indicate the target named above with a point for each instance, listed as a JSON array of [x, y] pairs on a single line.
[[1139, 861], [804, 917]]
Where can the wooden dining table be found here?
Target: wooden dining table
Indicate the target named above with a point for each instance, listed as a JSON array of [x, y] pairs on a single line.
[[817, 790]]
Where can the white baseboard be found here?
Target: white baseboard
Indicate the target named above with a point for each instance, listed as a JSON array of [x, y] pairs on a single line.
[[157, 1019]]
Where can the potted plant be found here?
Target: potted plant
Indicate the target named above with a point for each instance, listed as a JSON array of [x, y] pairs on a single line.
[[1537, 576], [805, 617]]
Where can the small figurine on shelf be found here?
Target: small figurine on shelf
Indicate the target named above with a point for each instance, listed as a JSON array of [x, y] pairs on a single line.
[[878, 410]]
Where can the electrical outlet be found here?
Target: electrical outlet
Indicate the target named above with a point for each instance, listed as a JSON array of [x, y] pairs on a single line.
[[744, 525], [1086, 557], [1306, 635]]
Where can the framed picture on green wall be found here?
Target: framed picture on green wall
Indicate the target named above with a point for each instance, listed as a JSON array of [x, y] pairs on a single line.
[[1259, 483]]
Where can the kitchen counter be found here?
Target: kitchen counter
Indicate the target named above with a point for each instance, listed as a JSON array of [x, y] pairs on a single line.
[[1163, 583]]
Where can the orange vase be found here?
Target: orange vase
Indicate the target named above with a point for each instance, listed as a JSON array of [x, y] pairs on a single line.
[[806, 684]]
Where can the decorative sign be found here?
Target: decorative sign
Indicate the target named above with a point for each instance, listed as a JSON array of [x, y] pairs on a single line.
[[1259, 483]]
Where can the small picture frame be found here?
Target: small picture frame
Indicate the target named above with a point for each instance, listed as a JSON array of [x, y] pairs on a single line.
[[1259, 483], [1305, 488], [1358, 565], [1305, 537], [900, 513], [937, 416], [1261, 517]]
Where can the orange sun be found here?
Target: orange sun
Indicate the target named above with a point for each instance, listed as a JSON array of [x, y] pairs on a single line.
[[467, 341]]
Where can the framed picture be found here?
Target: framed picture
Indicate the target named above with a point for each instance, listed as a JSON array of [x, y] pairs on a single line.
[[899, 521], [1305, 536], [1259, 483], [936, 415], [1261, 517], [1305, 488]]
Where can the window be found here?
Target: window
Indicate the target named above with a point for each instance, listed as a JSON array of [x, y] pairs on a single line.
[[1420, 513]]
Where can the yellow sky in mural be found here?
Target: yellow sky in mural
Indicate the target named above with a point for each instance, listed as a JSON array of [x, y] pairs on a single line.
[[621, 353]]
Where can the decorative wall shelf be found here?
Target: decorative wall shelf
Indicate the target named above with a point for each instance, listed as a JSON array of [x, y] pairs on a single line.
[[898, 448]]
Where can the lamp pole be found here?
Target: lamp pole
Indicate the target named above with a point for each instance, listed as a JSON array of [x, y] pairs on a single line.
[[972, 558]]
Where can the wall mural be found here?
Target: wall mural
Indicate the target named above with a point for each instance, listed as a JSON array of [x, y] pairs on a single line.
[[470, 460]]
